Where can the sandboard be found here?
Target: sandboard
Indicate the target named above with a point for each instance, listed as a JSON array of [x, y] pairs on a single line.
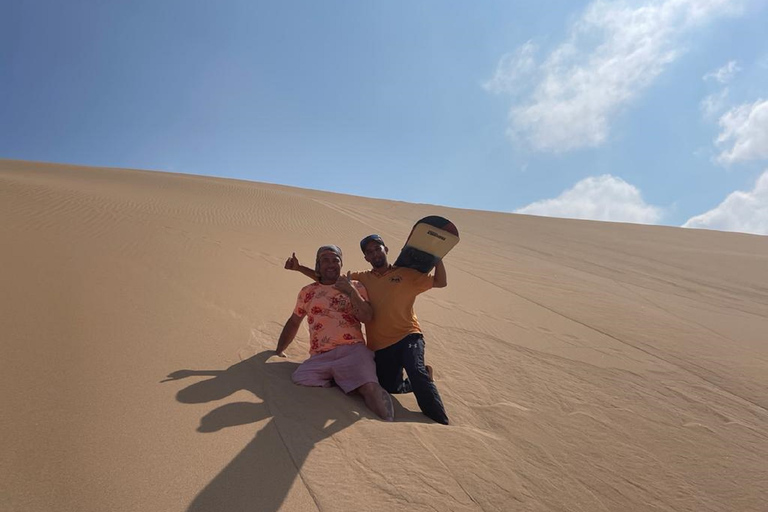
[[430, 240]]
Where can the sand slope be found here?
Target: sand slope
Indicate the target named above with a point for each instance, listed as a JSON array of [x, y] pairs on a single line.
[[585, 366]]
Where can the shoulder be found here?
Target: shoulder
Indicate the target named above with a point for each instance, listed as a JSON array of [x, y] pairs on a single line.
[[359, 275], [415, 278], [309, 288], [410, 273]]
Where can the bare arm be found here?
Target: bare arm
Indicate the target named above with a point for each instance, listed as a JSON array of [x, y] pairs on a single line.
[[292, 263], [441, 278], [289, 333], [362, 308]]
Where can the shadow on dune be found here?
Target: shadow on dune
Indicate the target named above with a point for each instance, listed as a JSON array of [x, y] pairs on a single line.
[[261, 476]]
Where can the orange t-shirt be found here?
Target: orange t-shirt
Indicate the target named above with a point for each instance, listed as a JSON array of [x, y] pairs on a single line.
[[330, 316], [392, 296]]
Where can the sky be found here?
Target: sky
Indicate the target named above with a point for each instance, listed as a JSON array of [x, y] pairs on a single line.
[[652, 112]]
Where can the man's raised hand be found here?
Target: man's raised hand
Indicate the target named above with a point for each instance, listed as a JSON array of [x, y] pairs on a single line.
[[292, 263]]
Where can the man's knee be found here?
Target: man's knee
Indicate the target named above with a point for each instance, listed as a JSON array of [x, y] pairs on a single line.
[[304, 377], [367, 388]]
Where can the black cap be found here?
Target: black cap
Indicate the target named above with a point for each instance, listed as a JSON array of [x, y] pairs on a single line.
[[370, 238]]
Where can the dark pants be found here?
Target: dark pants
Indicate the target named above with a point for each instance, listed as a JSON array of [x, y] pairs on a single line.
[[408, 354]]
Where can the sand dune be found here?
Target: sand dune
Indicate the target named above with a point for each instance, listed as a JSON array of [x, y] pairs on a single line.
[[585, 366]]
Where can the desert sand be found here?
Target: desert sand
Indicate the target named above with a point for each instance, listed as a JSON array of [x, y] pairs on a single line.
[[585, 366]]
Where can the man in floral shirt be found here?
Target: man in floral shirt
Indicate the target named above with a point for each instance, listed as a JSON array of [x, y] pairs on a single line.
[[334, 307]]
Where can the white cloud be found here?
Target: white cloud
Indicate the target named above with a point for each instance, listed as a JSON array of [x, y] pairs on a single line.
[[746, 212], [614, 51], [513, 69], [603, 197], [714, 103], [724, 74], [745, 130]]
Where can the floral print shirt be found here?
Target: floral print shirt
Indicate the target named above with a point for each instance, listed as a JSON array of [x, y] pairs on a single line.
[[330, 316]]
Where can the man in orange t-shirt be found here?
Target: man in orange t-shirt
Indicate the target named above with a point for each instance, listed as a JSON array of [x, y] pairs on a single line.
[[394, 332], [334, 307]]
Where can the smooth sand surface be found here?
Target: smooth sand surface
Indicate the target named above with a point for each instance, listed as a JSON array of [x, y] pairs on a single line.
[[585, 366]]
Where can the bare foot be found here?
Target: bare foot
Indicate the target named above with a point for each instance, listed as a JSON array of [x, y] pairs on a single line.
[[378, 400], [389, 408]]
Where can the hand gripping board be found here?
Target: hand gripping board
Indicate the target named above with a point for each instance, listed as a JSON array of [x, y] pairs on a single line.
[[430, 240]]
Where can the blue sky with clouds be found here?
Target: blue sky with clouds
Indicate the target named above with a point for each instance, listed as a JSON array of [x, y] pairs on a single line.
[[641, 111]]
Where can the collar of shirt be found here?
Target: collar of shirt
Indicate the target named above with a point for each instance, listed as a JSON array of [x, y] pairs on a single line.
[[389, 269]]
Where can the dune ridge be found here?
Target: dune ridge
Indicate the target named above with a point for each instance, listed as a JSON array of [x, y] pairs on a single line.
[[585, 366]]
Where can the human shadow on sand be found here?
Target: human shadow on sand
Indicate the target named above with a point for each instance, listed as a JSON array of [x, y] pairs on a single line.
[[261, 476]]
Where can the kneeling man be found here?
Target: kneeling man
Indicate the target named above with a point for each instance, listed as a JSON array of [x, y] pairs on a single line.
[[334, 308]]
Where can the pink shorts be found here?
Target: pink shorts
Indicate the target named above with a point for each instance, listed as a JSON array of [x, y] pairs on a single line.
[[349, 366]]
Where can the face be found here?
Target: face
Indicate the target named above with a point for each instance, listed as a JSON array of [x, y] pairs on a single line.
[[376, 254], [329, 265]]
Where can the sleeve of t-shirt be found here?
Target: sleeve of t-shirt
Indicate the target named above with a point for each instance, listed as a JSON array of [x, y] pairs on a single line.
[[301, 302], [355, 276], [423, 282], [361, 288]]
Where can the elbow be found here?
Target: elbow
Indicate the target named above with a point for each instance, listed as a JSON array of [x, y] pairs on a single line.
[[366, 315], [293, 323]]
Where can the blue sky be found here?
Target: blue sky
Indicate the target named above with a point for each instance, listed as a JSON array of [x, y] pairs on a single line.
[[640, 111]]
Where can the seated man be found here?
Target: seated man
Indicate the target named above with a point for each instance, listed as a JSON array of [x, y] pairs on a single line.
[[334, 307]]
